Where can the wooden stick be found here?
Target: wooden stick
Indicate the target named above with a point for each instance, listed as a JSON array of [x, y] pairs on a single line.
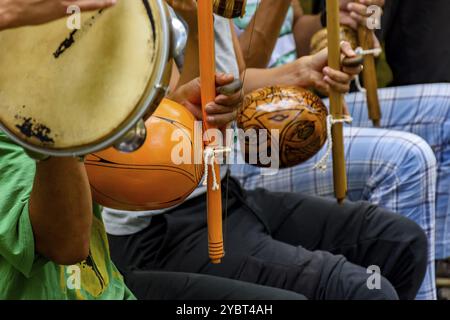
[[365, 38], [442, 282], [208, 82], [336, 100]]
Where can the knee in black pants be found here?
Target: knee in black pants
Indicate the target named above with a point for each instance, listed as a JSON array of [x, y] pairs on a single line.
[[348, 281], [415, 263], [395, 244]]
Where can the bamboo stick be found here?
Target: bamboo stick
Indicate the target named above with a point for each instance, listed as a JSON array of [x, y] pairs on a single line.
[[442, 282], [334, 61], [365, 38], [208, 80]]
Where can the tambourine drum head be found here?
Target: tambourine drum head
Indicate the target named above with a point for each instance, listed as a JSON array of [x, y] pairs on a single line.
[[64, 89], [148, 179], [298, 115]]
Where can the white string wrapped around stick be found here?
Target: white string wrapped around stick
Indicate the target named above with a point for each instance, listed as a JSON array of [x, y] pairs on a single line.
[[360, 51], [322, 163], [209, 159]]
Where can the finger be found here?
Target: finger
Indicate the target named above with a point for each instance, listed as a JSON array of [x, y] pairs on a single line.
[[195, 110], [348, 21], [319, 84], [213, 108], [360, 19], [229, 100], [320, 59], [339, 87], [368, 3], [353, 62], [220, 120], [222, 79], [353, 71], [230, 88], [347, 50], [89, 5], [337, 76], [358, 8]]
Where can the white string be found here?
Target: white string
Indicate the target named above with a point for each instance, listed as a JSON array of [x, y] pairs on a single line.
[[210, 159], [322, 164], [360, 51], [376, 51], [358, 85]]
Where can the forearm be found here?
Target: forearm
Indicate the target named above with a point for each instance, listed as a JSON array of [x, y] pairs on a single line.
[[17, 13], [289, 74], [259, 39], [61, 210], [305, 27], [191, 66]]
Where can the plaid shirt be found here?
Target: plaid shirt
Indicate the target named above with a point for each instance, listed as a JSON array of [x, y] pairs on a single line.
[[395, 170]]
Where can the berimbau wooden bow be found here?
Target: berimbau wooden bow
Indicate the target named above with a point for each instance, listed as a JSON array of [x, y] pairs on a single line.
[[208, 84], [336, 102], [365, 39]]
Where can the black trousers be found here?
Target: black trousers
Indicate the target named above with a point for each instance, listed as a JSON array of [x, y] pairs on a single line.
[[162, 285], [308, 245]]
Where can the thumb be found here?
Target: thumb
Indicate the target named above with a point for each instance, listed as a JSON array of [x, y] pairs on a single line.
[[223, 79], [320, 60], [347, 50], [194, 109], [319, 84]]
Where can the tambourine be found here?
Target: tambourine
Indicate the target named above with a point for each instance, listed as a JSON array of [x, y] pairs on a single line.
[[152, 177], [71, 92], [298, 115]]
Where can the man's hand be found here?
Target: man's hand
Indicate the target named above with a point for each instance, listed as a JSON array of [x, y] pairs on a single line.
[[17, 13], [322, 77], [355, 12], [220, 112]]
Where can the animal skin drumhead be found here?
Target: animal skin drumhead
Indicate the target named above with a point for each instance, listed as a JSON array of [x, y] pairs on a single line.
[[68, 96]]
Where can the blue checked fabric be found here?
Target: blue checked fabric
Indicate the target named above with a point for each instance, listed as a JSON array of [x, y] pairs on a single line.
[[425, 111], [393, 169]]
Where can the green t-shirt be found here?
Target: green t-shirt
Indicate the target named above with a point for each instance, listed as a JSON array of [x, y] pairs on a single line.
[[26, 275]]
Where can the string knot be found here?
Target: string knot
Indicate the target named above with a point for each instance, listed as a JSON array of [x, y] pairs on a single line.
[[210, 154], [322, 163], [360, 51]]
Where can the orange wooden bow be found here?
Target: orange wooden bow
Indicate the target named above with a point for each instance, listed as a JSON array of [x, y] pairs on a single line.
[[336, 101], [208, 83]]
